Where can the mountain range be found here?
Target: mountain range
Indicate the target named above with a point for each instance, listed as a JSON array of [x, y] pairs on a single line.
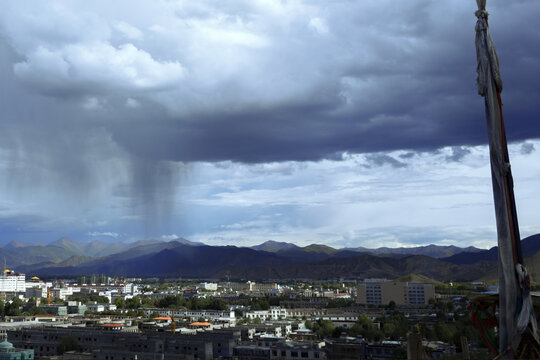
[[269, 260]]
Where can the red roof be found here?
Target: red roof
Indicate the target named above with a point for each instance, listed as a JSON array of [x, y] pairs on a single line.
[[200, 324], [112, 325]]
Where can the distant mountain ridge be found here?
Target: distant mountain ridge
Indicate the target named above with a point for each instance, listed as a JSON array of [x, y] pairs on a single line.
[[366, 266], [529, 246], [270, 260], [24, 256], [29, 256], [435, 251], [176, 259], [170, 259], [274, 246]]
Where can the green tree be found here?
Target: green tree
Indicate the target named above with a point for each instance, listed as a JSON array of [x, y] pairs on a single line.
[[389, 329], [36, 310], [67, 343], [154, 314], [445, 332], [395, 326], [120, 303], [259, 304], [365, 327], [133, 303], [13, 308], [238, 313], [323, 328]]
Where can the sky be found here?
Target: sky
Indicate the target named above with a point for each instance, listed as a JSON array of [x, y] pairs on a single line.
[[345, 123]]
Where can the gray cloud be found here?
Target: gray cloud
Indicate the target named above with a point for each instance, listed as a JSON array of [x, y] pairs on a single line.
[[407, 155], [383, 159], [527, 148], [458, 153]]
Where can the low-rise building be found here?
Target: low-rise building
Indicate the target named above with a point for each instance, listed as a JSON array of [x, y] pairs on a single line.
[[346, 347], [211, 315], [110, 340], [279, 350], [208, 286]]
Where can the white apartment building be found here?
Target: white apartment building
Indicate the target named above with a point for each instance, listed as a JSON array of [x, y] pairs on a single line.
[[12, 282], [274, 313], [63, 293], [208, 286]]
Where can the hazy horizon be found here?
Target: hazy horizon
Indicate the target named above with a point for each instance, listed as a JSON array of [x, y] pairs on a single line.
[[104, 240]]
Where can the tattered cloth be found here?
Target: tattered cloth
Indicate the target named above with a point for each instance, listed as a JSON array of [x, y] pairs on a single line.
[[484, 318]]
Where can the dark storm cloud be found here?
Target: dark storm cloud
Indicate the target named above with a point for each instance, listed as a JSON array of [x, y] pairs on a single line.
[[407, 84]]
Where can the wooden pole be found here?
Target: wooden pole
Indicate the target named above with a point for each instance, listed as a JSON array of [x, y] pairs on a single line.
[[465, 348]]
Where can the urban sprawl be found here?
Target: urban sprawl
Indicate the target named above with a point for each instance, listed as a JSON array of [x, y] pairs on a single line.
[[99, 317]]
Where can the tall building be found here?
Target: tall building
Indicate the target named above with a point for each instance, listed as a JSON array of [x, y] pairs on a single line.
[[382, 292], [12, 282]]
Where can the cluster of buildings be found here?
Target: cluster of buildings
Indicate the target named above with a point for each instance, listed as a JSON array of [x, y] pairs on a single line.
[[110, 339], [371, 291], [116, 337], [275, 333], [14, 284]]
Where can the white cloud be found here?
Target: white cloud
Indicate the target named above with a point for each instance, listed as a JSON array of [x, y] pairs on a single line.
[[97, 67], [434, 199], [106, 233], [319, 25], [129, 31]]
